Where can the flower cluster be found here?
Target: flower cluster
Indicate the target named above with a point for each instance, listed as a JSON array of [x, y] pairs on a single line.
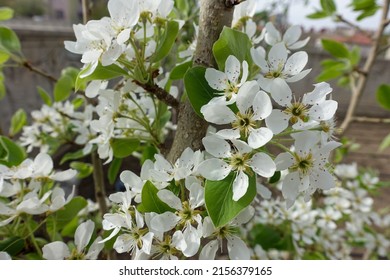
[[28, 188], [336, 227]]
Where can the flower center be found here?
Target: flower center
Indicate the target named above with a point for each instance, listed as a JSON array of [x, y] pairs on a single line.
[[239, 162], [297, 111], [244, 122], [303, 164]]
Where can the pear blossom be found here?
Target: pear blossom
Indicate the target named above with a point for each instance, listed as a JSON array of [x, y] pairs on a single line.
[[278, 70], [124, 16], [305, 114], [253, 105], [58, 250], [307, 165], [226, 83], [237, 249], [290, 37], [187, 216], [239, 159]]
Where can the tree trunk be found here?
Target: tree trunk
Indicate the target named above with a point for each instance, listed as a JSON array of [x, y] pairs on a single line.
[[214, 15]]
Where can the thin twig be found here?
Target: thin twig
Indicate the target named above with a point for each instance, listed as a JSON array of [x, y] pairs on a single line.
[[371, 120], [98, 178], [34, 69], [160, 93], [362, 79], [340, 18]]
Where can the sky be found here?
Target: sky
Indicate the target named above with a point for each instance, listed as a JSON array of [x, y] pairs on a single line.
[[298, 12]]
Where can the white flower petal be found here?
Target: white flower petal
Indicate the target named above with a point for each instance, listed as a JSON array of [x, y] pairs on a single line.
[[216, 146], [5, 256], [57, 250], [298, 76], [192, 238], [217, 113], [295, 63], [170, 198], [292, 34], [277, 121], [259, 137], [232, 69], [216, 79], [262, 105], [318, 95], [63, 175], [229, 134], [284, 161], [43, 164], [240, 185], [258, 56], [263, 165], [246, 95], [83, 235], [273, 35], [323, 111], [237, 248], [290, 187], [281, 92], [214, 169], [263, 191], [95, 249], [164, 222], [277, 56], [209, 250]]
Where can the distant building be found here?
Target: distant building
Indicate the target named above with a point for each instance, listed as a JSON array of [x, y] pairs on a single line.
[[69, 11]]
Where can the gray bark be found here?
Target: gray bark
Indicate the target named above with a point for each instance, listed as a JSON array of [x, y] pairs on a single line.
[[214, 15]]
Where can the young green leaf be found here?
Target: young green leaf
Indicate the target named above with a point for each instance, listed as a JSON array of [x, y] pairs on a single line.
[[18, 120], [180, 70], [232, 42], [219, 199], [335, 48], [123, 147], [9, 41], [11, 154], [198, 90], [114, 169], [151, 202], [6, 13], [46, 98], [318, 15], [168, 39], [83, 169], [385, 143], [65, 84], [328, 6], [383, 96]]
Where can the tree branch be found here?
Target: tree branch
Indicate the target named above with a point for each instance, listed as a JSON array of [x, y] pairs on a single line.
[[342, 19], [98, 179], [160, 93], [371, 120], [38, 71], [214, 15], [358, 87]]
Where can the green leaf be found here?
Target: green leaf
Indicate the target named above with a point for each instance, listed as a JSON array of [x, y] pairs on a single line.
[[168, 39], [383, 96], [219, 199], [359, 5], [328, 75], [78, 102], [385, 143], [72, 155], [65, 84], [100, 73], [328, 6], [354, 56], [148, 152], [11, 154], [318, 15], [198, 90], [83, 169], [58, 220], [266, 236], [123, 147], [232, 42], [313, 256], [46, 98], [180, 70], [70, 229], [6, 13], [275, 178], [12, 245], [9, 41], [114, 169], [18, 120], [151, 202], [335, 48], [368, 13], [3, 57]]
